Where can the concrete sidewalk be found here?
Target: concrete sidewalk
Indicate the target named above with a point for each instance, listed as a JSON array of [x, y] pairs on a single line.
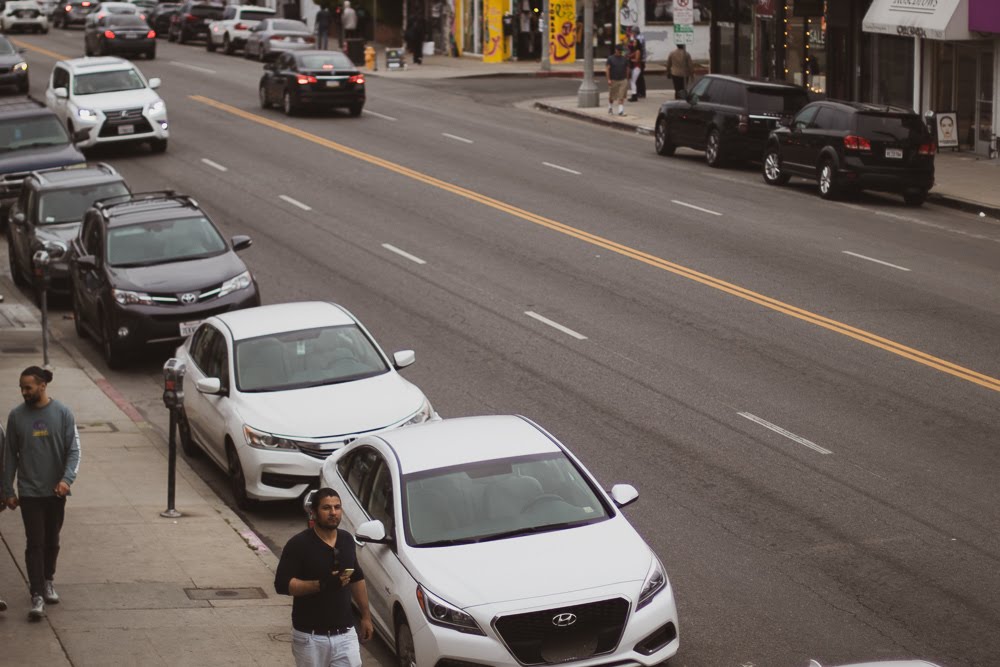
[[136, 588]]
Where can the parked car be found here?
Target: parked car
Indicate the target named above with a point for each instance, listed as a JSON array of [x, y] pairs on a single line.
[[231, 31], [277, 389], [49, 8], [13, 66], [299, 80], [160, 16], [728, 117], [48, 214], [191, 21], [23, 16], [851, 146], [444, 511], [272, 36], [73, 12], [148, 268], [119, 34], [110, 99]]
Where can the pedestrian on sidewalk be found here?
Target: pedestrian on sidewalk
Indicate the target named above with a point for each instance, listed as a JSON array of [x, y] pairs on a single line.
[[414, 37], [322, 28], [616, 68], [319, 569], [3, 496], [43, 452], [634, 67], [640, 83], [680, 69], [348, 20]]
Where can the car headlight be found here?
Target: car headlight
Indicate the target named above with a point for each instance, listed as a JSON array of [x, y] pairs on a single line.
[[127, 298], [86, 114], [656, 581], [241, 281], [157, 106], [20, 67], [56, 249], [265, 440], [446, 615], [423, 414]]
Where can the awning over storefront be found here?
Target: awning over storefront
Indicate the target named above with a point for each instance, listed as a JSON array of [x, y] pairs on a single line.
[[933, 19]]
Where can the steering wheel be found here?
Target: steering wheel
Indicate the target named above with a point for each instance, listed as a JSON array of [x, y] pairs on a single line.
[[544, 498]]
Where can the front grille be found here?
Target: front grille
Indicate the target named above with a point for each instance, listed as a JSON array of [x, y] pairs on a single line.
[[173, 298], [548, 637], [115, 118], [4, 70], [173, 316], [27, 13], [322, 450]]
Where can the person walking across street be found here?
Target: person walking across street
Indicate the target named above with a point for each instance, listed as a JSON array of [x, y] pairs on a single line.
[[322, 28], [348, 20], [616, 68], [42, 452], [319, 569], [680, 68]]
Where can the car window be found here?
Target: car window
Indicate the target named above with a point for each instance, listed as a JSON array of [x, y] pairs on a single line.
[[60, 77], [885, 126], [294, 26], [207, 11], [6, 48], [107, 82], [362, 462], [730, 93], [379, 503], [700, 87], [331, 61], [60, 206], [805, 117], [92, 240], [285, 61], [217, 362], [778, 102], [253, 15], [31, 132], [202, 345], [126, 21], [163, 241], [831, 119], [709, 94]]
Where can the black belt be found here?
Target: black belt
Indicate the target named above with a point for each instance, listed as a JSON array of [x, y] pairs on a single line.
[[328, 633]]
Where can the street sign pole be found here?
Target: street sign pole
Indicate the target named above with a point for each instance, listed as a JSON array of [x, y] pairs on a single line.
[[546, 31], [588, 95]]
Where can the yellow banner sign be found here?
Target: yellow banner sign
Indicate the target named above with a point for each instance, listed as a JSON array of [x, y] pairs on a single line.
[[562, 31], [494, 43]]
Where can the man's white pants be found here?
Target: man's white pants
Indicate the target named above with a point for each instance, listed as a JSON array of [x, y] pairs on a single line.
[[326, 651]]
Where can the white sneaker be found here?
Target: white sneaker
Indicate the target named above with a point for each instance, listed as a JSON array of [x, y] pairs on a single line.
[[37, 610], [621, 110], [49, 594]]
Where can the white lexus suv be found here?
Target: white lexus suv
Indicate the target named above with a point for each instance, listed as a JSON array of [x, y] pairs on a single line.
[[231, 31], [109, 100]]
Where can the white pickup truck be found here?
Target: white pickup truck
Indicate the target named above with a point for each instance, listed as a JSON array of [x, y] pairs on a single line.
[[231, 31]]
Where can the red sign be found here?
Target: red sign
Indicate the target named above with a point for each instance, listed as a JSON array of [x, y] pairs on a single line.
[[765, 8]]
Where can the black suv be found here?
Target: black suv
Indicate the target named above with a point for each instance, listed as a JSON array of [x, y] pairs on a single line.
[[726, 116], [148, 268], [48, 213], [192, 19], [851, 146], [72, 12]]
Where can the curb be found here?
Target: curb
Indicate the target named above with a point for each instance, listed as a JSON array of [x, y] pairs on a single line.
[[959, 204], [597, 120]]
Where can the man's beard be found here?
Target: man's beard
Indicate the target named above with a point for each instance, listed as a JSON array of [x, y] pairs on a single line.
[[32, 400]]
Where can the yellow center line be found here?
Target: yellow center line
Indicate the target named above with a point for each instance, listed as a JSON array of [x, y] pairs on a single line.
[[38, 49], [652, 260]]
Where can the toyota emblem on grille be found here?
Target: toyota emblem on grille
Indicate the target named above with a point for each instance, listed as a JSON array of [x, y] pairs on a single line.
[[564, 620], [190, 297]]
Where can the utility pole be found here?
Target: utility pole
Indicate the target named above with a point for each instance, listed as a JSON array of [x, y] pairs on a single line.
[[546, 31], [588, 96]]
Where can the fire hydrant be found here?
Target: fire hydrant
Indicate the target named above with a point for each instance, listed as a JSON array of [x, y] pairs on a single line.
[[370, 58]]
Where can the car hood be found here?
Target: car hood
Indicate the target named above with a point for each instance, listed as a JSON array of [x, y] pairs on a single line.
[[40, 158], [11, 59], [64, 232], [352, 407], [121, 99], [534, 566], [177, 277]]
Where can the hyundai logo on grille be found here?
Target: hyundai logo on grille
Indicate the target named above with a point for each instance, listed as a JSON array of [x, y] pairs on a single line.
[[563, 620], [190, 297]]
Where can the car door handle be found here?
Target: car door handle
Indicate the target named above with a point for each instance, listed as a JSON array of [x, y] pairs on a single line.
[[359, 544]]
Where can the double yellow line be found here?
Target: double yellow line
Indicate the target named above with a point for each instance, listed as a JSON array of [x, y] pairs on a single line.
[[773, 304]]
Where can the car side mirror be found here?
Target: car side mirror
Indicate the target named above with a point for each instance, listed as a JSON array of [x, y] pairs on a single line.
[[154, 83], [241, 242], [624, 494], [80, 136], [61, 93], [209, 385], [404, 358], [372, 532], [22, 50], [18, 219], [88, 262]]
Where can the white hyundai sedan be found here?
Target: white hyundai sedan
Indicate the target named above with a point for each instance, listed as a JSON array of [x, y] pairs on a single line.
[[486, 542], [273, 391]]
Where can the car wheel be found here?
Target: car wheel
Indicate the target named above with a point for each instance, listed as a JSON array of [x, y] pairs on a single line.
[[262, 95], [227, 45], [289, 105], [356, 109], [78, 326], [114, 356], [237, 480], [158, 145], [773, 174], [915, 197], [662, 138], [713, 149], [405, 652], [829, 187], [15, 270], [188, 445], [209, 44]]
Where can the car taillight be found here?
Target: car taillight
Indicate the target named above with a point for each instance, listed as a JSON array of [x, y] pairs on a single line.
[[928, 149], [744, 126], [240, 26], [852, 142], [151, 34], [142, 16], [108, 34], [190, 18], [305, 78], [309, 40], [85, 4], [69, 8], [277, 38], [357, 78]]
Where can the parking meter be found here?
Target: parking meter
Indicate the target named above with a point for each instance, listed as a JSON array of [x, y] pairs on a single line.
[[173, 399], [173, 384], [40, 271], [40, 263]]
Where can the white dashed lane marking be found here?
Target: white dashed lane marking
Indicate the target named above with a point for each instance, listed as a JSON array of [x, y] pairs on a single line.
[[788, 434], [457, 138], [295, 202], [403, 253], [877, 261], [555, 325], [214, 165], [697, 208], [566, 169]]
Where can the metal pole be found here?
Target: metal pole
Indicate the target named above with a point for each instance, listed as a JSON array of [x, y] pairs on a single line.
[[170, 512], [588, 95], [546, 31], [45, 328]]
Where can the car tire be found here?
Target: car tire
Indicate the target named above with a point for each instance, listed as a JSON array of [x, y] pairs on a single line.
[[237, 480], [262, 96], [356, 109], [829, 185], [15, 271], [662, 138], [773, 173], [114, 356], [915, 197], [78, 326], [288, 105], [713, 149], [227, 45], [158, 145], [209, 44], [188, 445], [405, 651]]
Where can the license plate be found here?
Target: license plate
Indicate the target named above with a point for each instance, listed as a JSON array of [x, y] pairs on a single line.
[[127, 36], [333, 84], [295, 40], [126, 129], [188, 328], [894, 153]]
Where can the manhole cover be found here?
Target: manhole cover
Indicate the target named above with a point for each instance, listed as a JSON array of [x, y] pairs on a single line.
[[226, 593]]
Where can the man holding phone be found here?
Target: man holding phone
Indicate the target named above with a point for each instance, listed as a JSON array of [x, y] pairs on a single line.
[[319, 569]]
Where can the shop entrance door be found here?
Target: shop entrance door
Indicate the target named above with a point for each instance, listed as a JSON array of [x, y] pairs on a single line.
[[983, 123]]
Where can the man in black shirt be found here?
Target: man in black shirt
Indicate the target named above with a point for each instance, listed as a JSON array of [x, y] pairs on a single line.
[[319, 569]]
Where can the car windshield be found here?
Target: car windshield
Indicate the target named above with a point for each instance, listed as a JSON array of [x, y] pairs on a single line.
[[291, 26], [778, 102], [6, 48], [163, 241], [325, 61], [61, 206], [126, 21], [207, 11], [122, 9], [492, 500], [306, 358], [31, 132], [255, 16], [107, 82], [884, 126]]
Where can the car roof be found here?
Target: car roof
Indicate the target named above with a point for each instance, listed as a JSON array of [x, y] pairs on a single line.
[[139, 207], [757, 83], [101, 64], [867, 107], [255, 8], [466, 440], [282, 317], [78, 174]]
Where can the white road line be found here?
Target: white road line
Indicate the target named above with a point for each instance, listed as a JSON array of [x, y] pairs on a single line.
[[194, 67], [214, 165], [555, 325], [788, 434], [697, 208], [555, 166], [403, 253], [457, 138], [379, 115], [877, 261], [295, 202]]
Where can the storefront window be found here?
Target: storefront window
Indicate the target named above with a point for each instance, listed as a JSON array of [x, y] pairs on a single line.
[[893, 75]]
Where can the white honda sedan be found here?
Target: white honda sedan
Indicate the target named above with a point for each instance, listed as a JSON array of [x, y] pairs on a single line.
[[486, 542], [272, 391]]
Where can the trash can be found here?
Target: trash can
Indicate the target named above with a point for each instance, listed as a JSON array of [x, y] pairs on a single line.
[[356, 50]]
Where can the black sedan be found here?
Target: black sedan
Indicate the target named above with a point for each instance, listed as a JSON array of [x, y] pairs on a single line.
[[13, 66], [119, 34], [301, 80]]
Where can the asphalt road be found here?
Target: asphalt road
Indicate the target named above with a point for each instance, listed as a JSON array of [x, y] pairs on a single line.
[[804, 392]]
